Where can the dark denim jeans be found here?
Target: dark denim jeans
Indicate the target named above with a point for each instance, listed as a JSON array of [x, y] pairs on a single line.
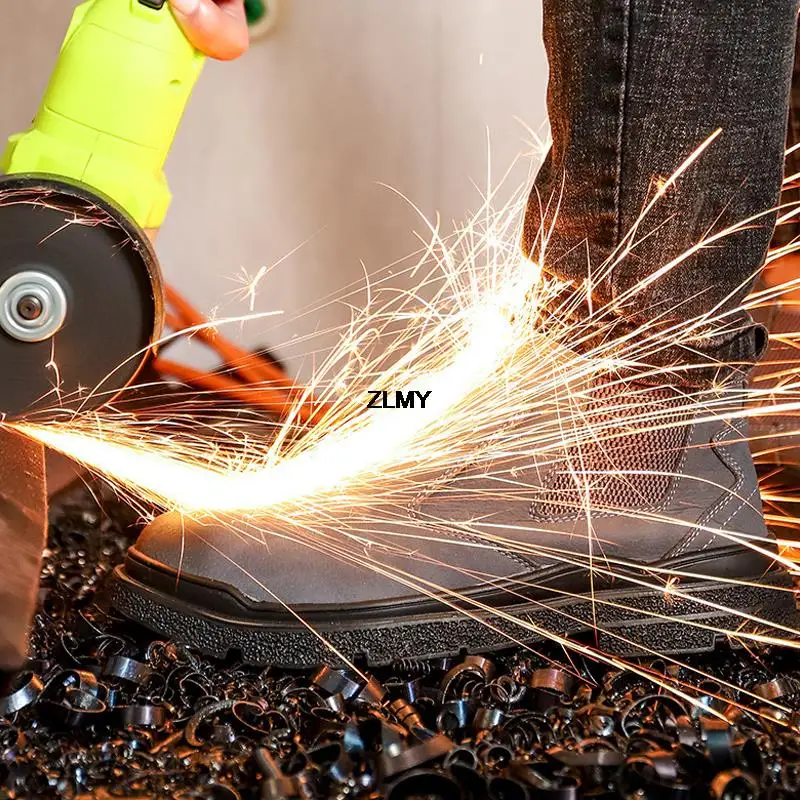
[[635, 87]]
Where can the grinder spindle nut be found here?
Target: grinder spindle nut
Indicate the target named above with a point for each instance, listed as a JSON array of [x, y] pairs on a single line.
[[81, 298], [33, 306]]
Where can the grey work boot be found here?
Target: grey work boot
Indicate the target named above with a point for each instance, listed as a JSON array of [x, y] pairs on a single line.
[[641, 541]]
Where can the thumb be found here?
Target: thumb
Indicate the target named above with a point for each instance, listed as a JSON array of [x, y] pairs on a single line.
[[218, 29]]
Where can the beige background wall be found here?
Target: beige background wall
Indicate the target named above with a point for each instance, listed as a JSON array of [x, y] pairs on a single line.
[[290, 144]]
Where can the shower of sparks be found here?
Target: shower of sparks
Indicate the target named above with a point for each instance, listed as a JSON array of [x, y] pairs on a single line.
[[496, 342]]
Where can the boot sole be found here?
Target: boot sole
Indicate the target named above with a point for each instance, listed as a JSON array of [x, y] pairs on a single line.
[[634, 626]]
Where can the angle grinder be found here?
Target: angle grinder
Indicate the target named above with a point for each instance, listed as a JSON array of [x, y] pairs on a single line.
[[81, 299]]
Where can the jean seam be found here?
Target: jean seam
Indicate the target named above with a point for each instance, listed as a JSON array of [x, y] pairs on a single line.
[[623, 97], [624, 79]]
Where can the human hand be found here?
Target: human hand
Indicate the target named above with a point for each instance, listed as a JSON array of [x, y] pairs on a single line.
[[218, 28]]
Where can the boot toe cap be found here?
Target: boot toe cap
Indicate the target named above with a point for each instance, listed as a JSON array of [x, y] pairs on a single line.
[[244, 559], [301, 569]]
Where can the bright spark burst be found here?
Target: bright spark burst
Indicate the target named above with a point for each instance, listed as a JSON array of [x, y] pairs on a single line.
[[493, 338]]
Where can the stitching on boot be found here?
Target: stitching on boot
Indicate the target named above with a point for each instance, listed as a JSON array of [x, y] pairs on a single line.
[[727, 497], [475, 538], [731, 496], [743, 504]]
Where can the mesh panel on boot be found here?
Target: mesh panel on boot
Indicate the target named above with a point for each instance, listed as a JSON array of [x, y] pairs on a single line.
[[629, 456]]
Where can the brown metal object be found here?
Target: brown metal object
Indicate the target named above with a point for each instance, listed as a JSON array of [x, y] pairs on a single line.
[[23, 530]]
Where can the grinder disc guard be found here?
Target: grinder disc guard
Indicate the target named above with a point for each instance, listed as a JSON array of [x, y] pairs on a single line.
[[111, 287]]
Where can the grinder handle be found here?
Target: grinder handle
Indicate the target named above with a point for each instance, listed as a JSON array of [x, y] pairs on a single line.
[[113, 105]]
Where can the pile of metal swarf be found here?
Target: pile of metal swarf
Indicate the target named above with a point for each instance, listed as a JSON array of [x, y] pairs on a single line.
[[105, 710]]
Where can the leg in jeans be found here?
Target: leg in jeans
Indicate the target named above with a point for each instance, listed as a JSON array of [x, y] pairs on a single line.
[[635, 87]]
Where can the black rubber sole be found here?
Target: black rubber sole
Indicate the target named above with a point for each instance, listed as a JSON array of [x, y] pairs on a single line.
[[639, 622]]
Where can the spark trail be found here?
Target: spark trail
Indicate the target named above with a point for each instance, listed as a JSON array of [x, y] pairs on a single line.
[[511, 368], [344, 454]]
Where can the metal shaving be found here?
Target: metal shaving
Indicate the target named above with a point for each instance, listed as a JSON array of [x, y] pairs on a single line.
[[104, 710]]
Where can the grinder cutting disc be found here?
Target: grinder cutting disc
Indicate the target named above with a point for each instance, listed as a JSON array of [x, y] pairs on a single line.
[[81, 298]]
